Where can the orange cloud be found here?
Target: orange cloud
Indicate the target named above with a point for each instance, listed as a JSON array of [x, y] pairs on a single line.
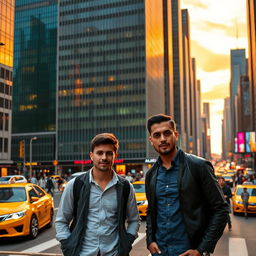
[[195, 4], [231, 30], [219, 92], [209, 61]]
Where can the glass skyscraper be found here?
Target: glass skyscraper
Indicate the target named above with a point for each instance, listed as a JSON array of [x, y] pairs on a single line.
[[111, 74], [34, 93], [6, 69]]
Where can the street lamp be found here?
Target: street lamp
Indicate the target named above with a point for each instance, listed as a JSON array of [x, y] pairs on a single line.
[[30, 156]]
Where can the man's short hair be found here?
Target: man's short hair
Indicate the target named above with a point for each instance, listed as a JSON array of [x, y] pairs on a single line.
[[105, 139], [221, 178], [159, 118]]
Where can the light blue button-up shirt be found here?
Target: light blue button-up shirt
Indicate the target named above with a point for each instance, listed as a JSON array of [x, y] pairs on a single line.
[[101, 232]]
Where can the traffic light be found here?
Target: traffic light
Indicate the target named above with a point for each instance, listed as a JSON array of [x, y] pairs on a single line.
[[22, 149]]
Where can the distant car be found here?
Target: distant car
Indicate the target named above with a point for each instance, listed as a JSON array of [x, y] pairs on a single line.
[[13, 179], [237, 200], [24, 209], [140, 194], [229, 180]]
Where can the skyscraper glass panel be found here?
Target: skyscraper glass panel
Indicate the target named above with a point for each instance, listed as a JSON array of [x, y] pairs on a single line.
[[102, 76], [35, 50], [6, 68]]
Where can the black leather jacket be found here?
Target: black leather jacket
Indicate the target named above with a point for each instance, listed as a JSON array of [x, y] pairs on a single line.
[[204, 209]]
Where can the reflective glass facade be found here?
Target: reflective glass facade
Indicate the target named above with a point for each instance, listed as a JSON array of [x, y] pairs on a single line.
[[35, 57], [6, 68], [110, 78], [251, 27]]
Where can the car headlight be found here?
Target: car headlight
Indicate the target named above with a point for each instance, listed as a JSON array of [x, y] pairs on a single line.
[[15, 215], [144, 202]]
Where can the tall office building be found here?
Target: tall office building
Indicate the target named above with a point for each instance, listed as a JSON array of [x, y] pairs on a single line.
[[111, 74], [193, 140], [244, 105], [226, 130], [178, 91], [35, 56], [238, 68], [187, 82], [6, 69], [206, 137], [198, 118], [251, 21]]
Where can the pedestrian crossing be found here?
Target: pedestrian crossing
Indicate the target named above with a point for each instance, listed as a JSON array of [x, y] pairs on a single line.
[[237, 246]]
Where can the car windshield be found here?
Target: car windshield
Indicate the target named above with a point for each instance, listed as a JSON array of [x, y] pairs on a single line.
[[4, 178], [251, 191], [139, 188], [11, 195], [227, 177]]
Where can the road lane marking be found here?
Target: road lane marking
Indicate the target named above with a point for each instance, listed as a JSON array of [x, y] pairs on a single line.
[[53, 242], [43, 246], [140, 236], [237, 247]]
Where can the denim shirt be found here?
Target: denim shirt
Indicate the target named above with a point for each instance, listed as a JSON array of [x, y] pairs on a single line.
[[171, 235]]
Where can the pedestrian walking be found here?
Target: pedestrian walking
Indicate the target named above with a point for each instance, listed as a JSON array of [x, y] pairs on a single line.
[[34, 180], [49, 185], [42, 182], [245, 197], [101, 206], [227, 195], [187, 212]]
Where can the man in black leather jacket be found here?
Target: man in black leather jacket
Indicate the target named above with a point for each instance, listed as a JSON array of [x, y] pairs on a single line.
[[187, 212]]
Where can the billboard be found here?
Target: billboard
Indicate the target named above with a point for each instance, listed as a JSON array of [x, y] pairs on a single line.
[[250, 142], [240, 142]]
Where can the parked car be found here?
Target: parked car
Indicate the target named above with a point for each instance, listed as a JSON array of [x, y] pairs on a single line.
[[13, 179], [24, 209], [238, 202], [140, 194]]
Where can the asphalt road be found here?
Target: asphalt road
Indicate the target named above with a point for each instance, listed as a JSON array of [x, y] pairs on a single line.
[[241, 241]]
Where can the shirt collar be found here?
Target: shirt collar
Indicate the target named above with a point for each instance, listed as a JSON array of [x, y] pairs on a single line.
[[175, 160], [113, 181]]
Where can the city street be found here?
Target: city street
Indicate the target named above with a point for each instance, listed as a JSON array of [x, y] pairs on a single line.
[[241, 241]]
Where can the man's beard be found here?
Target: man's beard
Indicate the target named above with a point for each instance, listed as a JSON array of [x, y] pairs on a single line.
[[167, 152]]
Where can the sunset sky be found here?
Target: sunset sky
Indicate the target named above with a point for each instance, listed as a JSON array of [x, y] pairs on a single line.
[[216, 26]]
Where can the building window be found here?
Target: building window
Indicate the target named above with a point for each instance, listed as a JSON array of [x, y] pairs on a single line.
[[5, 145]]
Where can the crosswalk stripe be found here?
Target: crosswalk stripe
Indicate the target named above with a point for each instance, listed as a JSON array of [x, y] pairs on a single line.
[[53, 242], [43, 246], [140, 236], [237, 247]]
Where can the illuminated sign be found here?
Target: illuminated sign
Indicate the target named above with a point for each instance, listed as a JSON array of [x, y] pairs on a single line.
[[150, 160], [240, 142], [82, 161], [250, 142]]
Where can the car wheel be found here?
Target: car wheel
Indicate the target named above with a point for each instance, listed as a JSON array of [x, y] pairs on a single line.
[[49, 225], [34, 227]]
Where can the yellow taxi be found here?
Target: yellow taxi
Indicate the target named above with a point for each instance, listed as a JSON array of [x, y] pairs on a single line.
[[237, 200], [140, 194], [24, 209]]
